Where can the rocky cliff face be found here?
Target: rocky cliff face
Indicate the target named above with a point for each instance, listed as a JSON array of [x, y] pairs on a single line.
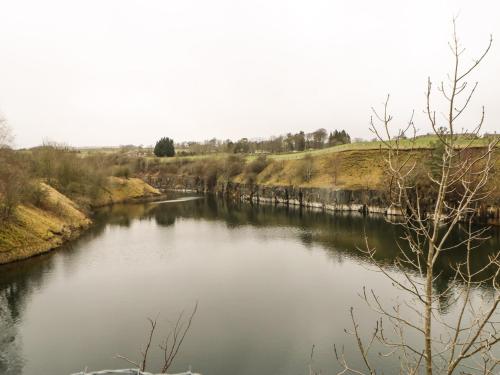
[[361, 200]]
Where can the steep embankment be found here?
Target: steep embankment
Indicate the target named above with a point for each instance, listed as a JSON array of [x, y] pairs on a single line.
[[119, 190], [346, 180], [35, 230], [38, 229], [339, 170]]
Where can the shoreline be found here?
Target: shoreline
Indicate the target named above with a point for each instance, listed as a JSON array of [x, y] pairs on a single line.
[[59, 229], [364, 201], [362, 209]]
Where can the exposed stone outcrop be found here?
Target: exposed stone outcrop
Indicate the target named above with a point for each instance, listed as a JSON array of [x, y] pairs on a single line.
[[361, 200]]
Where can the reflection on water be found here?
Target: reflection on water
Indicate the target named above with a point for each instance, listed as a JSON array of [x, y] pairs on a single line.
[[177, 200], [271, 281]]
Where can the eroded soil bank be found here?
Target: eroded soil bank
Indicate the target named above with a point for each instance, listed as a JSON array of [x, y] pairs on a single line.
[[34, 230]]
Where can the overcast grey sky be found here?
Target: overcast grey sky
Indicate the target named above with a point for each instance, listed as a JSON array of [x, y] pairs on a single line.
[[123, 71]]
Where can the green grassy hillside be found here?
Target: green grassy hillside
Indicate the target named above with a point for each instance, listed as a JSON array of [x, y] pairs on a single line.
[[421, 142]]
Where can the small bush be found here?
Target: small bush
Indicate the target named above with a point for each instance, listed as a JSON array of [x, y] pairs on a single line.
[[140, 165], [210, 175], [36, 194], [233, 166], [256, 166], [250, 178], [170, 168], [13, 182], [71, 173], [305, 171], [122, 172]]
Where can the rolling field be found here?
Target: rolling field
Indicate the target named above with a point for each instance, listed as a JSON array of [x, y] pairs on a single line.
[[359, 165], [422, 142]]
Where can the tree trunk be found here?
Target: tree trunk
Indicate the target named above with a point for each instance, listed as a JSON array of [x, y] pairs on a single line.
[[428, 312]]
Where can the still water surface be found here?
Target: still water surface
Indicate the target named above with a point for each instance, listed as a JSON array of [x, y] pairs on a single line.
[[270, 283]]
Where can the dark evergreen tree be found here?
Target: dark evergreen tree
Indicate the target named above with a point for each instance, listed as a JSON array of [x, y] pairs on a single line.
[[338, 138], [331, 139], [164, 147]]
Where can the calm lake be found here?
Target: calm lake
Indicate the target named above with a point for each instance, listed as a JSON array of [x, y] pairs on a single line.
[[271, 282]]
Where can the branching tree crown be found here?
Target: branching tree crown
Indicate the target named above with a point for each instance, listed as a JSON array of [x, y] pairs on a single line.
[[464, 342]]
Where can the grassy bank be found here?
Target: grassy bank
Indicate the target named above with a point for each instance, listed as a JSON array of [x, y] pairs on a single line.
[[358, 165], [341, 170], [119, 190], [36, 229]]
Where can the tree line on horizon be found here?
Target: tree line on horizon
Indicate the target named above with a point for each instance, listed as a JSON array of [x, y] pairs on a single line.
[[290, 142]]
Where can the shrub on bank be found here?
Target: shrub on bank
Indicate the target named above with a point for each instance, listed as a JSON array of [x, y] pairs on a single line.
[[256, 166], [14, 182], [122, 172], [69, 172]]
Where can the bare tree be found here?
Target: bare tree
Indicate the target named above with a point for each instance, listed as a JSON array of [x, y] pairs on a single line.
[[6, 137], [306, 168], [170, 346], [414, 330]]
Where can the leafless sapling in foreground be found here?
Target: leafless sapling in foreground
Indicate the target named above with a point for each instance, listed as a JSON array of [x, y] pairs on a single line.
[[169, 346], [414, 330]]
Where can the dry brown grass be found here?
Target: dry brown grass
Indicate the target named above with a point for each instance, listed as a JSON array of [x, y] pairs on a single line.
[[362, 169], [120, 190], [34, 230], [343, 170]]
